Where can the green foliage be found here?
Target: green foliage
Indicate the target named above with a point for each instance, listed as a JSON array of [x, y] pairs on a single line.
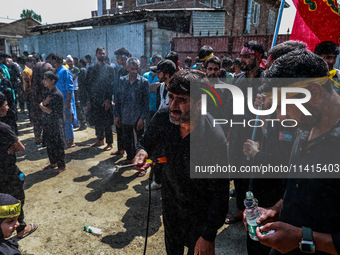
[[30, 13]]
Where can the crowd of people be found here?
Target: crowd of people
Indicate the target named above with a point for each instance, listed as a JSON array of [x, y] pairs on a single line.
[[153, 109]]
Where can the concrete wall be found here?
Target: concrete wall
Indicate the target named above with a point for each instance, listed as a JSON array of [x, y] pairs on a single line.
[[157, 41], [79, 43]]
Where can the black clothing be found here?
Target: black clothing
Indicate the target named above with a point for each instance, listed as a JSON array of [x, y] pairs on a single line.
[[10, 182], [240, 134], [313, 202], [82, 85], [79, 109], [8, 137], [38, 91], [191, 207], [276, 147], [129, 139], [99, 88], [11, 117], [9, 247], [120, 73], [104, 132], [80, 97], [54, 130], [15, 75]]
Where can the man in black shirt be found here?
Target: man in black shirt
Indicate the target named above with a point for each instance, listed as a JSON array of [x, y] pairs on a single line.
[[10, 182], [251, 56], [193, 209], [7, 89], [99, 89], [309, 215], [122, 55]]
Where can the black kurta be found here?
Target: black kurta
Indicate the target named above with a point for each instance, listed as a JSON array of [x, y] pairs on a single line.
[[99, 88], [191, 207], [53, 124]]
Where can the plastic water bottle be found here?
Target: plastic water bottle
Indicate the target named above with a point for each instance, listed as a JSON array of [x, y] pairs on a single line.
[[93, 230], [22, 177], [252, 214]]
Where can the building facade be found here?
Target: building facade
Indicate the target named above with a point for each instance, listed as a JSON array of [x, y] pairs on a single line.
[[11, 32], [242, 16]]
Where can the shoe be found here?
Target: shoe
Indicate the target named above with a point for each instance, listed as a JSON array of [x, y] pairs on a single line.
[[154, 186], [33, 226]]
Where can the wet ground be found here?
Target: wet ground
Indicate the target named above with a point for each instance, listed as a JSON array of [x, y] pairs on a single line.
[[88, 193]]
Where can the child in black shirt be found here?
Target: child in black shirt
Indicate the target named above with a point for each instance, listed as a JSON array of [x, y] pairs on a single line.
[[53, 123]]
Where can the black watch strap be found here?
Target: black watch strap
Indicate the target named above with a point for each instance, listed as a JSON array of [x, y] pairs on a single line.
[[307, 234]]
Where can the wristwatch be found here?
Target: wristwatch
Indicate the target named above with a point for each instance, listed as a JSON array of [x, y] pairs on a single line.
[[307, 245]]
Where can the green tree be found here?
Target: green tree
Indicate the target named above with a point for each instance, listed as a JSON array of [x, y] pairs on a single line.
[[30, 13]]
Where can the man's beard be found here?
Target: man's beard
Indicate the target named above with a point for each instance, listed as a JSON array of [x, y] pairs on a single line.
[[212, 76], [181, 120], [248, 67], [101, 59]]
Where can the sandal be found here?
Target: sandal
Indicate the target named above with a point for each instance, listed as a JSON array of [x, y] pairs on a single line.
[[233, 219], [34, 227]]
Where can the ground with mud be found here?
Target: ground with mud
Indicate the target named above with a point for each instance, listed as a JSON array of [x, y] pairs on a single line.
[[88, 193]]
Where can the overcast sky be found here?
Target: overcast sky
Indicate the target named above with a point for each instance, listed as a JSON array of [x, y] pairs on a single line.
[[71, 10]]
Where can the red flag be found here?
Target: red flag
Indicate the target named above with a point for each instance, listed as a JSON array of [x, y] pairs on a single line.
[[316, 21]]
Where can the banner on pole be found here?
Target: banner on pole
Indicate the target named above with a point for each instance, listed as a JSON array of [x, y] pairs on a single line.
[[316, 21]]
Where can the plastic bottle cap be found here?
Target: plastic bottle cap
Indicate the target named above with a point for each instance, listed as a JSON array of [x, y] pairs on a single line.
[[85, 227], [249, 195]]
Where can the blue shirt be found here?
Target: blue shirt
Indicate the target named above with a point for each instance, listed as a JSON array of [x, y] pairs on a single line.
[[65, 82], [152, 78], [6, 72], [132, 100], [65, 85]]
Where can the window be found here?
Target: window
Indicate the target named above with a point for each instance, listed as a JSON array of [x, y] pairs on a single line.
[[206, 2], [271, 22], [256, 14], [217, 3], [15, 49], [143, 2], [120, 4]]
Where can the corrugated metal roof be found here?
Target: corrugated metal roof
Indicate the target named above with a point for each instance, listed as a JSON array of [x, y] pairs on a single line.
[[208, 23], [6, 21]]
